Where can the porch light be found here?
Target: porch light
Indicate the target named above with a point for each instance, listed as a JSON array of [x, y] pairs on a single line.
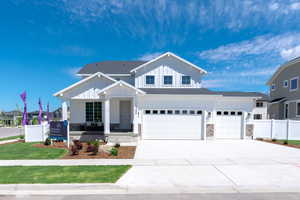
[[61, 94]]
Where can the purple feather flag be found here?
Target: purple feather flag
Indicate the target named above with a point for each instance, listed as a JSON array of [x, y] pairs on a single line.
[[40, 117], [48, 113], [24, 117]]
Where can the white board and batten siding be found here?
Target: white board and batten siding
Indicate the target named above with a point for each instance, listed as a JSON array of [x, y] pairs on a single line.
[[164, 67]]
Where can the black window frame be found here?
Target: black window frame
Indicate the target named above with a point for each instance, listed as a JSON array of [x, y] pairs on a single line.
[[165, 80], [183, 81], [150, 78], [93, 111]]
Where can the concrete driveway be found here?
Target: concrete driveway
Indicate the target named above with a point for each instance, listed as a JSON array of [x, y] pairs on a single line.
[[220, 165]]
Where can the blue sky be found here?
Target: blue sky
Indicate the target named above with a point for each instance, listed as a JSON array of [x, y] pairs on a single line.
[[240, 43]]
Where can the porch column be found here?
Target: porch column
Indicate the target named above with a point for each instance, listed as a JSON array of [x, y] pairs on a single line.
[[135, 116], [64, 111], [106, 116]]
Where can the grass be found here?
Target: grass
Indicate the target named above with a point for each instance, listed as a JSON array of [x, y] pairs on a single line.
[[292, 142], [61, 174], [25, 151], [10, 138]]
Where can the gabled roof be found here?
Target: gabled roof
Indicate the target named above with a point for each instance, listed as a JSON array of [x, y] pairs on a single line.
[[121, 83], [99, 74], [110, 67], [281, 68], [173, 55]]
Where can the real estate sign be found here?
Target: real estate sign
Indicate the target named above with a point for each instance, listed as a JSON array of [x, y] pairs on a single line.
[[59, 130]]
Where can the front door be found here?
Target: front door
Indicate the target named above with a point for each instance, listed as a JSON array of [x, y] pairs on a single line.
[[125, 115]]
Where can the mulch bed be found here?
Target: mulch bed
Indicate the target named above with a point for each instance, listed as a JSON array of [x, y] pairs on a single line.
[[125, 152], [281, 143]]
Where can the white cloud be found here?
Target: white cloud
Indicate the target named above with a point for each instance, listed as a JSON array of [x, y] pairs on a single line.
[[291, 53], [149, 56], [213, 83], [295, 6], [263, 45], [274, 6]]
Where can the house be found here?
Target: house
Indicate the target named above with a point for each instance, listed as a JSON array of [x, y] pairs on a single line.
[[260, 110], [12, 118], [159, 99], [284, 91]]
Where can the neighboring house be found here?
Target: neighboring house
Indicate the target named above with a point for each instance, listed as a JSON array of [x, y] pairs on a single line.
[[260, 110], [284, 92], [159, 99], [11, 118]]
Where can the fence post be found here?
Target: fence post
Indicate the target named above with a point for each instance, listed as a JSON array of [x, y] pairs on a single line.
[[272, 128], [25, 133], [287, 129], [203, 135]]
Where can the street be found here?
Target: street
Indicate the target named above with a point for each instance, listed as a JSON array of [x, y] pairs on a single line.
[[239, 196], [7, 132]]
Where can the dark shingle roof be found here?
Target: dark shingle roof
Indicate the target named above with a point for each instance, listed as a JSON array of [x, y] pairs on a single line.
[[111, 67], [203, 91]]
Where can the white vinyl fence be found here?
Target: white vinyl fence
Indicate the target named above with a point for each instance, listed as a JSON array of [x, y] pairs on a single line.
[[36, 133], [276, 129]]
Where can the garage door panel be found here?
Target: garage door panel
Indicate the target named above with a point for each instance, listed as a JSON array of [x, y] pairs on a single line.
[[172, 126], [228, 127]]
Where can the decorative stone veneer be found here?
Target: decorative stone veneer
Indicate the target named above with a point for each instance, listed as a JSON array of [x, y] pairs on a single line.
[[210, 130], [249, 130]]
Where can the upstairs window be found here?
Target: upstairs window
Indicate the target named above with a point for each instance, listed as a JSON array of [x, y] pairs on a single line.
[[168, 80], [273, 87], [294, 84], [150, 80], [186, 80], [259, 104], [285, 83]]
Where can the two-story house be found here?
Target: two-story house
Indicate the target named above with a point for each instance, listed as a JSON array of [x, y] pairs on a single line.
[[159, 99], [284, 91]]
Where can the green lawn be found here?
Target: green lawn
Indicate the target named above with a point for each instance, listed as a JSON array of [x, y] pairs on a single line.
[[25, 151], [61, 174], [293, 142], [10, 138]]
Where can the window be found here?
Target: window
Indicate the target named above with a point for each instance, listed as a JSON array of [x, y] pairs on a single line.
[[184, 112], [219, 113], [177, 112], [298, 109], [257, 116], [286, 111], [232, 113], [259, 104], [286, 83], [240, 113], [273, 87], [155, 112], [150, 80], [199, 112], [93, 111], [170, 112], [162, 112], [147, 112], [168, 80], [294, 84], [192, 112], [186, 80], [226, 113]]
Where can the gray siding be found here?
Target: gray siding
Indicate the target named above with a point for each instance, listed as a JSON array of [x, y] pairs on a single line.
[[280, 91], [127, 79]]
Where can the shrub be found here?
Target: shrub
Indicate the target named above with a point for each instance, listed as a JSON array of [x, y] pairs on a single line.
[[286, 142], [114, 151], [274, 140], [78, 144], [96, 147], [35, 121], [117, 145], [47, 142], [74, 150], [22, 137]]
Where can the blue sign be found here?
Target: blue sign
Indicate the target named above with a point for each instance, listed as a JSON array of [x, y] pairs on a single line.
[[59, 130]]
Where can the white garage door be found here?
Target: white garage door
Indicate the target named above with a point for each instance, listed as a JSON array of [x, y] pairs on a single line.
[[228, 125], [172, 124]]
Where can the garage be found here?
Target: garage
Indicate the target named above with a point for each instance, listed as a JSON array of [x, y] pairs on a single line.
[[228, 125], [172, 124]]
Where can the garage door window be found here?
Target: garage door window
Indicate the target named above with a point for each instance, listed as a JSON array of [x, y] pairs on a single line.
[[162, 112], [192, 112], [177, 112], [170, 112], [240, 113], [219, 113], [184, 112], [147, 112], [226, 113], [232, 113], [199, 112], [155, 112]]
